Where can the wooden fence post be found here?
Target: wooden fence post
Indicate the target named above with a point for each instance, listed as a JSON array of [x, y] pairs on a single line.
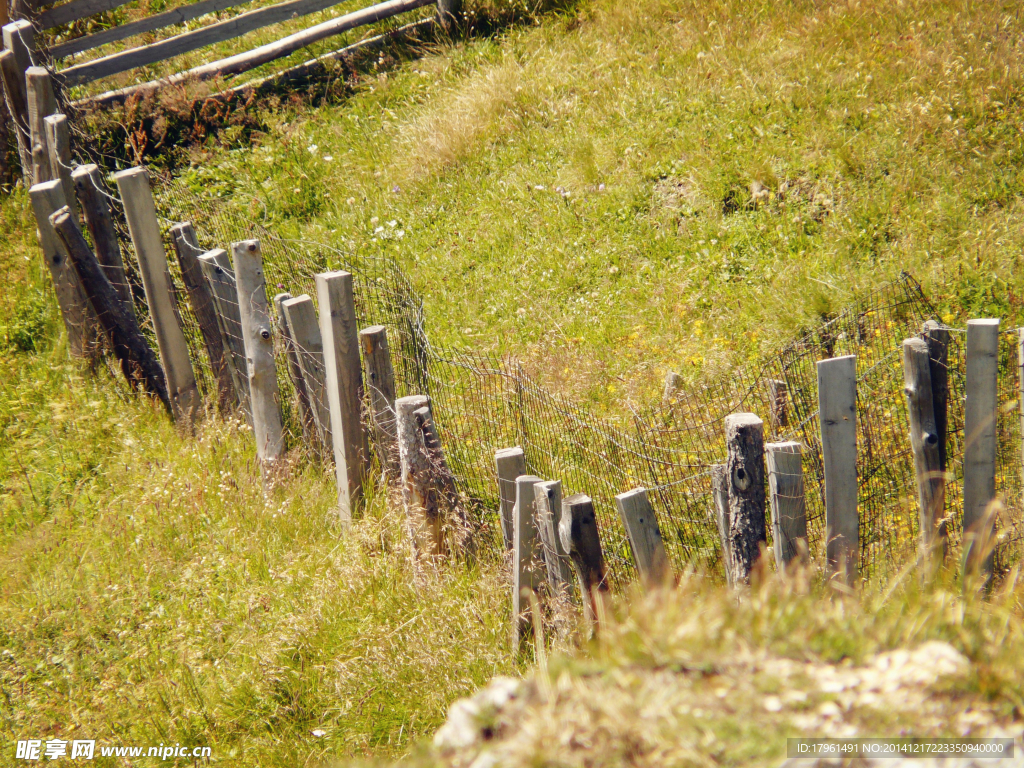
[[547, 501], [140, 211], [20, 39], [58, 143], [789, 514], [186, 245], [582, 540], [309, 432], [673, 383], [720, 494], [509, 463], [449, 12], [220, 277], [88, 183], [17, 103], [837, 410], [924, 442], [980, 444], [644, 537], [344, 385], [937, 339], [47, 198], [779, 392], [258, 338], [423, 517], [527, 556], [744, 436], [41, 102], [309, 350], [138, 363], [380, 386]]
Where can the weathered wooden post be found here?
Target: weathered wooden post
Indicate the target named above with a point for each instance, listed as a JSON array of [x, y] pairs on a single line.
[[58, 143], [837, 411], [924, 442], [547, 500], [449, 12], [720, 495], [423, 517], [789, 514], [88, 183], [744, 436], [779, 392], [644, 537], [17, 101], [258, 338], [138, 363], [140, 211], [980, 444], [41, 102], [186, 245], [380, 386], [220, 277], [309, 430], [20, 39], [937, 339], [47, 198], [582, 540], [673, 383], [344, 385], [309, 349], [527, 556], [509, 463]]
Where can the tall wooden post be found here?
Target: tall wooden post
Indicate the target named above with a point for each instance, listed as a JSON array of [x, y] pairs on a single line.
[[17, 104], [309, 432], [140, 211], [924, 442], [309, 349], [422, 514], [937, 339], [41, 103], [58, 143], [258, 338], [720, 496], [547, 502], [644, 537], [582, 540], [527, 556], [47, 198], [380, 388], [980, 444], [509, 463], [837, 408], [20, 39], [789, 514], [89, 189], [344, 385], [744, 437]]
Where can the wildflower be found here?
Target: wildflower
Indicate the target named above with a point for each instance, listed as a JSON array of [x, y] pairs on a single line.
[[393, 223], [613, 270], [600, 187], [312, 149], [539, 187], [351, 201], [396, 189], [328, 158], [374, 220]]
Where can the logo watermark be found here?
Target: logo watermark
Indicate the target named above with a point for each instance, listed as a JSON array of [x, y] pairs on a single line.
[[86, 749]]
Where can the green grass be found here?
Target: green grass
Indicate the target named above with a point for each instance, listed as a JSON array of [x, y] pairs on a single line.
[[609, 191]]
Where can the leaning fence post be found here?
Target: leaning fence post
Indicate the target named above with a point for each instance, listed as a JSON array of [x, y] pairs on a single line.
[[258, 338], [139, 209], [547, 501], [186, 245], [644, 536], [17, 102], [423, 517], [779, 392], [380, 385], [20, 39], [47, 198], [344, 385], [837, 410], [720, 495], [309, 349], [138, 363], [744, 436], [58, 144], [980, 443], [581, 539], [789, 514], [924, 442], [509, 463], [309, 433], [220, 277], [527, 555], [88, 183], [41, 102]]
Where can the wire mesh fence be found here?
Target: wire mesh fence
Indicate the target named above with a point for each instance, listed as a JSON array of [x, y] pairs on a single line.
[[483, 403]]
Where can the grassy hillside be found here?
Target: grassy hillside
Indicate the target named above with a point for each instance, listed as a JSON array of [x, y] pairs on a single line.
[[609, 191]]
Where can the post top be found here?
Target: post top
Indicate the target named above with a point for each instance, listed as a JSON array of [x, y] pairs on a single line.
[[412, 400], [916, 343], [17, 26], [985, 322], [281, 298], [339, 274], [841, 360], [291, 302], [213, 255], [577, 499], [787, 446], [37, 72], [56, 117], [245, 246], [372, 330], [739, 420], [502, 453], [638, 491], [84, 170], [44, 187], [548, 484], [131, 173], [530, 480]]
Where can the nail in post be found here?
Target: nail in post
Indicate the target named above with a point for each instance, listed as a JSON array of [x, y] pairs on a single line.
[[837, 408]]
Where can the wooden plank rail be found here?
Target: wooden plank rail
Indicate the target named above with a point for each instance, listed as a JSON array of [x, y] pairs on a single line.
[[75, 10], [236, 27]]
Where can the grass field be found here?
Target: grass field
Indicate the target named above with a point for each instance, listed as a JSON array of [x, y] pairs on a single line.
[[609, 190]]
